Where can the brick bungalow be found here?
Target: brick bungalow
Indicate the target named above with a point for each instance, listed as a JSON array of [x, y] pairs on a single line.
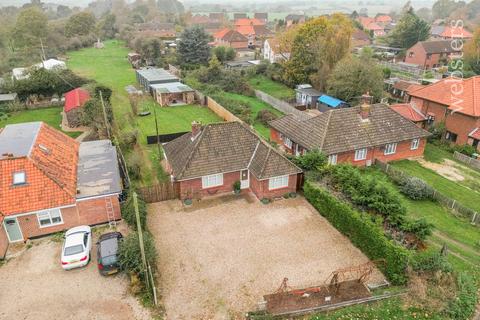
[[49, 182], [210, 159], [356, 135], [454, 102], [230, 38], [433, 54], [74, 101]]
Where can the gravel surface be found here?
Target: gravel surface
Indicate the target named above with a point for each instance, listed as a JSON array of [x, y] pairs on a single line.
[[34, 286], [218, 258]]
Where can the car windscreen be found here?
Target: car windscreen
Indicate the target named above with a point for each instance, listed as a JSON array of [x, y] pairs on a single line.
[[70, 251], [109, 260]]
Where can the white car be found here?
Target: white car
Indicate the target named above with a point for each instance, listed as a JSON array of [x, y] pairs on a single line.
[[76, 247]]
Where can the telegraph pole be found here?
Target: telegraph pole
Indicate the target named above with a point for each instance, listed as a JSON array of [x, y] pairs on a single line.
[[105, 119]]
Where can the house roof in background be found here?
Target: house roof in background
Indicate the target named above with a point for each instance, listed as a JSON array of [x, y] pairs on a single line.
[[409, 111], [171, 87], [248, 22], [343, 130], [437, 46], [468, 102], [230, 35], [75, 98], [156, 74], [475, 134], [294, 17], [261, 15], [225, 147]]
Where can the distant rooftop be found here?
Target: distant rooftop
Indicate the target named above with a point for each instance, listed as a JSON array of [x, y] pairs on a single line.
[[156, 74], [171, 87]]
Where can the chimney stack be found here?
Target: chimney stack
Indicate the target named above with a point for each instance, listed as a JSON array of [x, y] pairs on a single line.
[[366, 106], [196, 128]]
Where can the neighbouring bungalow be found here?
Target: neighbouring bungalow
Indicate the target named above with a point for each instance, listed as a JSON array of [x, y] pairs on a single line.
[[272, 52], [148, 76], [255, 31], [432, 54], [49, 182], [410, 112], [74, 101], [307, 96], [210, 159], [357, 135], [400, 89], [449, 33], [172, 93], [230, 38], [453, 102]]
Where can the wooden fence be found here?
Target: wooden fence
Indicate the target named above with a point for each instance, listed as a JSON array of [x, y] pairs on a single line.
[[219, 110], [447, 202], [159, 192], [281, 105], [472, 162]]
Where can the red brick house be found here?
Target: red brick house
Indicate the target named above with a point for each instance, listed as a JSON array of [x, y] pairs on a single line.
[[454, 102], [49, 182], [357, 135], [432, 54], [74, 100], [410, 112], [210, 159], [230, 38]]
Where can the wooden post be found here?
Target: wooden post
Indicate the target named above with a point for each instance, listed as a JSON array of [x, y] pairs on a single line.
[[154, 288], [105, 119], [156, 129], [140, 232]]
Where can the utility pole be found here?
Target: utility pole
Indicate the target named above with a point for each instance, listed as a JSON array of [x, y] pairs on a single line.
[[105, 119], [140, 232], [156, 128], [44, 57]]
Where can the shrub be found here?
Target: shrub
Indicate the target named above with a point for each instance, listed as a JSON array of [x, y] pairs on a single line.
[[129, 254], [236, 186], [466, 149], [362, 232], [313, 160], [430, 261], [128, 211], [415, 188], [128, 139], [265, 116], [463, 306], [420, 228], [134, 164]]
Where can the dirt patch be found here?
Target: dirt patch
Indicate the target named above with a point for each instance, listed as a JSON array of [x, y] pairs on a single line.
[[219, 259], [447, 169], [34, 286]]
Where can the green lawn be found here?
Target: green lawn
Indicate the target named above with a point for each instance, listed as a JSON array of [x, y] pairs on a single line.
[[436, 154], [456, 191], [109, 66], [51, 116], [256, 105], [273, 88]]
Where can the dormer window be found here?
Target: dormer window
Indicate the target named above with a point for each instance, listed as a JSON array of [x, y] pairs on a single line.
[[19, 178]]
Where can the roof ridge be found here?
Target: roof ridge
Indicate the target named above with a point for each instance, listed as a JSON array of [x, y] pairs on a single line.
[[194, 149], [265, 162], [326, 129]]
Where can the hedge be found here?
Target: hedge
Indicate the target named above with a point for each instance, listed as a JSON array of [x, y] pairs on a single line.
[[363, 233]]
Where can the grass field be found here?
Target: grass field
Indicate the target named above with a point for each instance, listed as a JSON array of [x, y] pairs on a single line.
[[273, 88], [51, 116], [109, 66], [256, 105]]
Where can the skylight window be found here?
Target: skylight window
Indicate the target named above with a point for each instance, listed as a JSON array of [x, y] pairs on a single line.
[[19, 178]]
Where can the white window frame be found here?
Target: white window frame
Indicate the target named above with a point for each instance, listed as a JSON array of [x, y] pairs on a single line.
[[287, 142], [18, 174], [415, 144], [332, 159], [361, 154], [390, 148], [276, 183], [53, 213], [213, 180]]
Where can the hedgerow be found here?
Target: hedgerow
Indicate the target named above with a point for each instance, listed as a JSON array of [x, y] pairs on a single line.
[[363, 233]]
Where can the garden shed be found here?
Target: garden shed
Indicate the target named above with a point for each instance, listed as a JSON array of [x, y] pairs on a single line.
[[173, 93]]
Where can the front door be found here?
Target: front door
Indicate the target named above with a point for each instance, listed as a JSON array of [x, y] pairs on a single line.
[[13, 229], [245, 179]]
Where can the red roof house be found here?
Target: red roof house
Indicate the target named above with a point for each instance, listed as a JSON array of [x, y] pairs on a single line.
[[44, 184], [411, 113], [75, 99], [454, 102], [230, 38]]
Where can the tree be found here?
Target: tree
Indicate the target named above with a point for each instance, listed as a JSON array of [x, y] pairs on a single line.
[[425, 14], [443, 8], [408, 31], [193, 49], [106, 27], [224, 54], [353, 77], [319, 44], [80, 24], [31, 26], [472, 53]]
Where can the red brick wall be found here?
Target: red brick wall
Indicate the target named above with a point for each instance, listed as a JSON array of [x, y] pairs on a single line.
[[192, 189], [275, 137], [260, 187], [88, 212], [420, 57], [428, 106], [462, 125], [3, 241]]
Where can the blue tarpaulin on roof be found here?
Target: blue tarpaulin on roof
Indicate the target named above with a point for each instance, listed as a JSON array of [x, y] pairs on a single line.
[[330, 101]]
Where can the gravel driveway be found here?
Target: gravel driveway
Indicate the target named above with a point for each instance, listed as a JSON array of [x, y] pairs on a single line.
[[218, 258], [34, 286]]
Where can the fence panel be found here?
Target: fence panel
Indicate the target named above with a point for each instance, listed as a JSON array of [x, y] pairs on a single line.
[[472, 162], [281, 106], [454, 207], [159, 192], [164, 137], [219, 110]]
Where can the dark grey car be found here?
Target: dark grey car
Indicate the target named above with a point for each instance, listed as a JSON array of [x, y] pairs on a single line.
[[107, 253]]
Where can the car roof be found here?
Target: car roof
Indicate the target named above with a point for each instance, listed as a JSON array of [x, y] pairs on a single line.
[[78, 229], [108, 247], [110, 235], [74, 239]]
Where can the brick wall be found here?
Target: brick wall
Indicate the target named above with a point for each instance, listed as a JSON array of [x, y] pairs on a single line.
[[417, 55], [193, 188], [3, 241], [462, 125], [260, 187], [88, 212]]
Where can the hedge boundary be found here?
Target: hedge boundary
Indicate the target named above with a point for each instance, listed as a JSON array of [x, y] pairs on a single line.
[[362, 232]]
